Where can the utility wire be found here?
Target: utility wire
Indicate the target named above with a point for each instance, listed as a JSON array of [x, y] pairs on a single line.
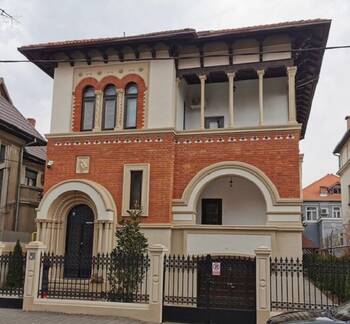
[[92, 60]]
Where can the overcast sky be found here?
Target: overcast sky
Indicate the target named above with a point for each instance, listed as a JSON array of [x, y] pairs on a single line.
[[51, 20]]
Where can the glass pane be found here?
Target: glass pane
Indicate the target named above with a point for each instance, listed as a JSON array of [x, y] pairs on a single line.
[[109, 114], [88, 119], [2, 153], [131, 108], [89, 92], [132, 89], [135, 189], [110, 91], [213, 124]]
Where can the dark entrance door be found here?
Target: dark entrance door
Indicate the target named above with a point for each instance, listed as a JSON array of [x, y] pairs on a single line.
[[212, 211], [79, 239], [226, 289]]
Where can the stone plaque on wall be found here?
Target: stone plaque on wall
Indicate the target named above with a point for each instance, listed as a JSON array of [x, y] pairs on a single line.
[[83, 164]]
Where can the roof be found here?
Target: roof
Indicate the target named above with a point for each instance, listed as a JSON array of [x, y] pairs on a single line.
[[36, 152], [307, 243], [163, 35], [342, 142], [305, 34], [312, 191], [14, 122], [3, 90]]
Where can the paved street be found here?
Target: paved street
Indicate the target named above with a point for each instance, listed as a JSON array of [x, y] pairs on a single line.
[[15, 316]]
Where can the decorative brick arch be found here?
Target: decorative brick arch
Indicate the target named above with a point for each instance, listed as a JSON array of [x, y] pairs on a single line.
[[141, 88], [78, 101], [100, 85], [110, 79]]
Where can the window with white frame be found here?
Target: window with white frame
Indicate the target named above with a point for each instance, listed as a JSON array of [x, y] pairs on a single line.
[[336, 212], [311, 214], [31, 177], [135, 188]]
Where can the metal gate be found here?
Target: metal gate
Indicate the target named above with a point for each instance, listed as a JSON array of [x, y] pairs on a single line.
[[211, 289], [12, 271]]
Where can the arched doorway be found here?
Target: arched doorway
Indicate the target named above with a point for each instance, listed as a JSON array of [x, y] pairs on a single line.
[[79, 242]]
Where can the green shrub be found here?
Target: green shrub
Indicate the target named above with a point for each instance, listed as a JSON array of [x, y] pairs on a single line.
[[14, 277]]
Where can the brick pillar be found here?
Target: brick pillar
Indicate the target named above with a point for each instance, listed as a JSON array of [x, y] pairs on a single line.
[[32, 275], [156, 254], [263, 293]]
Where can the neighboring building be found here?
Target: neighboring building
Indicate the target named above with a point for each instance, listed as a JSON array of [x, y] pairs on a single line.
[[200, 128], [342, 150], [22, 167], [322, 215]]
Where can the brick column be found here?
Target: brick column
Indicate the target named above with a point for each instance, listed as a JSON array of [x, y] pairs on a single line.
[[263, 293], [156, 255], [32, 275]]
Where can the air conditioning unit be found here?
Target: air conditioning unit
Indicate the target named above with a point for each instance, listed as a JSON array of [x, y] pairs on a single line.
[[324, 211]]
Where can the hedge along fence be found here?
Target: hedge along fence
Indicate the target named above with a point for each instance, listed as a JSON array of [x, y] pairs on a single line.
[[330, 274]]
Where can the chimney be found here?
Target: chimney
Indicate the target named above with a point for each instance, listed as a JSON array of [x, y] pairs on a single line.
[[347, 118], [31, 121]]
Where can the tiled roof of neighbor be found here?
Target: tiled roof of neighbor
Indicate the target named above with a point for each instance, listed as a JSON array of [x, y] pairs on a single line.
[[312, 191], [176, 33], [308, 244], [38, 152], [14, 121]]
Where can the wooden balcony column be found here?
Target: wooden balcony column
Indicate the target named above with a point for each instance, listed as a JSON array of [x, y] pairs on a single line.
[[261, 96], [231, 85], [202, 79], [291, 71]]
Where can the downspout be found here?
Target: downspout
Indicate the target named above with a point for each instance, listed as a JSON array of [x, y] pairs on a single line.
[[18, 192]]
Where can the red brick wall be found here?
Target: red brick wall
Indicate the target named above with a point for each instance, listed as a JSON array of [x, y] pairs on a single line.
[[173, 165]]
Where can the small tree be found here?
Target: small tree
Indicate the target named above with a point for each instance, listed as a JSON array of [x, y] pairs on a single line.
[[128, 260], [14, 277]]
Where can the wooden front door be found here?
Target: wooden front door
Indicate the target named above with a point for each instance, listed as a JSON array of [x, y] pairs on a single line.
[[79, 240], [212, 211]]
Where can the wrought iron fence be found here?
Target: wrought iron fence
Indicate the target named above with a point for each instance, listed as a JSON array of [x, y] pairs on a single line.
[[106, 277], [10, 263], [314, 282]]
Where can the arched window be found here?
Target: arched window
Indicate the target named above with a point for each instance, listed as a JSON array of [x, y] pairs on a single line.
[[109, 107], [88, 113], [130, 106]]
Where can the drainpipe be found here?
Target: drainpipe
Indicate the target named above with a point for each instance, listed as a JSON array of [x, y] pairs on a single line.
[[18, 192]]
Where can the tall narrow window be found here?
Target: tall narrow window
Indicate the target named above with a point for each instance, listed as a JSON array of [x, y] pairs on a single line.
[[109, 107], [130, 106], [2, 153], [88, 113], [135, 189]]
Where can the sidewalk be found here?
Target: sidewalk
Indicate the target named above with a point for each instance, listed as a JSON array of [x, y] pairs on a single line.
[[16, 316]]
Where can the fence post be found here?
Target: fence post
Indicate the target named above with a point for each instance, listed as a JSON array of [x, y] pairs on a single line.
[[31, 281], [156, 254], [263, 293]]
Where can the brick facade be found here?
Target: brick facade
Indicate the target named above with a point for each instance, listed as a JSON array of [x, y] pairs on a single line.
[[174, 160]]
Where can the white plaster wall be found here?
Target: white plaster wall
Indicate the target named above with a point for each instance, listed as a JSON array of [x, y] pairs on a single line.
[[243, 204], [246, 103], [180, 101], [275, 101], [161, 103], [225, 243], [62, 99], [345, 183]]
